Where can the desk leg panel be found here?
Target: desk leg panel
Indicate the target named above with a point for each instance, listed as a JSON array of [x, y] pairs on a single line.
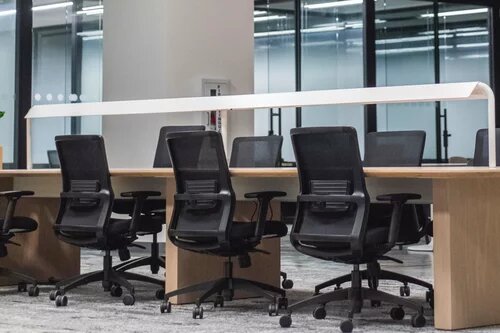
[[41, 254], [186, 268], [466, 252]]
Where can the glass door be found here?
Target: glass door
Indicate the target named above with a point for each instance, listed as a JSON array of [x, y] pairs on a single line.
[[274, 53], [405, 48], [332, 58], [464, 56]]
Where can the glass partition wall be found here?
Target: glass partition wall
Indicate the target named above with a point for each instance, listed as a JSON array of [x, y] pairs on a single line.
[[322, 44], [67, 68], [7, 78]]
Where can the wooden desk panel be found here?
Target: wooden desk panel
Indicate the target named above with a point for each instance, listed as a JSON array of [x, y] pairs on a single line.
[[466, 232]]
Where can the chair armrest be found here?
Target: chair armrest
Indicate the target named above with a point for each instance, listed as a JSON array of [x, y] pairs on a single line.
[[399, 197], [16, 194], [397, 200], [12, 197], [265, 194], [136, 194]]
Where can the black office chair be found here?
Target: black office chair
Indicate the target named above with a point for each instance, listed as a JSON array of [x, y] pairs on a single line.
[[53, 159], [11, 225], [84, 218], [154, 208], [394, 149], [332, 220], [202, 219], [260, 152], [481, 151]]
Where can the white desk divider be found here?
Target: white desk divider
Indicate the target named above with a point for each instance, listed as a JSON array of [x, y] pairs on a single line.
[[363, 96]]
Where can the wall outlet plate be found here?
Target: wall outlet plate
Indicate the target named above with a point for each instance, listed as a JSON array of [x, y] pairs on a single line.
[[215, 87]]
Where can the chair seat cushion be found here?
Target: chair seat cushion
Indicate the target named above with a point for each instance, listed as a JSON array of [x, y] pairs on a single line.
[[21, 224], [150, 225], [275, 229], [118, 226]]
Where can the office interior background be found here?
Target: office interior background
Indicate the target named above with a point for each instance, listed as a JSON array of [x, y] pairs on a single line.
[[54, 54]]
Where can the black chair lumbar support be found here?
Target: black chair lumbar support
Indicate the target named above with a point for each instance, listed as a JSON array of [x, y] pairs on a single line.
[[11, 225], [332, 220], [84, 217], [261, 152], [393, 149], [153, 209], [202, 219]]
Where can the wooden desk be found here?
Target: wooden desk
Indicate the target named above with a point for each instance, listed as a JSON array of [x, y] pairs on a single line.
[[466, 228]]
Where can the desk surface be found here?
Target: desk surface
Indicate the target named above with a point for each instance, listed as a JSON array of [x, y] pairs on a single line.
[[411, 172]]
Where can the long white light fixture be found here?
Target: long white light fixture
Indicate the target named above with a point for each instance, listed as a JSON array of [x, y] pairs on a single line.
[[52, 6], [268, 18], [8, 12], [333, 4], [93, 10], [457, 12], [472, 45], [259, 12]]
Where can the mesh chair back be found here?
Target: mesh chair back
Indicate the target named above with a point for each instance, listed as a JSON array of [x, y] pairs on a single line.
[[394, 149], [200, 167], [162, 159], [53, 159], [256, 152], [329, 163], [84, 168], [481, 152]]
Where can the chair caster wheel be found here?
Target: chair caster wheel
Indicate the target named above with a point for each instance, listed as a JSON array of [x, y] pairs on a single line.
[[219, 301], [128, 299], [376, 304], [319, 312], [404, 291], [273, 309], [198, 312], [22, 287], [61, 300], [429, 297], [397, 313], [286, 321], [346, 326], [166, 307], [54, 293], [116, 291], [33, 291], [160, 294], [282, 303], [287, 284], [418, 320]]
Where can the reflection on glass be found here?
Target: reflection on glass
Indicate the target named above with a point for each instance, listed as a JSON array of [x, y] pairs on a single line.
[[67, 67], [275, 64], [7, 77], [332, 58], [464, 45], [405, 55]]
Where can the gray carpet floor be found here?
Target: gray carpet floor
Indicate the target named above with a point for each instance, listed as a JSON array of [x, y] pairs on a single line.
[[92, 310]]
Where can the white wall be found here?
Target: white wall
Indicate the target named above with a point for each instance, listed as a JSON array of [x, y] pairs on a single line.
[[164, 49]]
